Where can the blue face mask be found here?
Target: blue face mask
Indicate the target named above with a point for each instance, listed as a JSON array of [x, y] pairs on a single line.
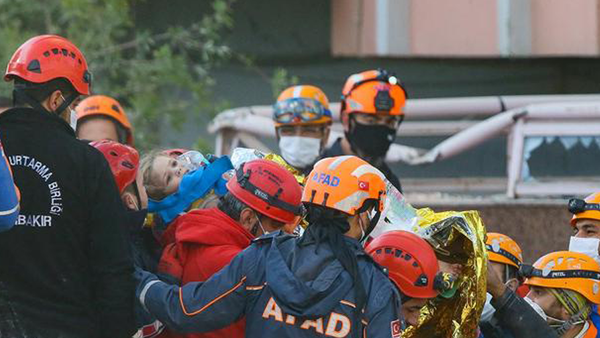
[[193, 186]]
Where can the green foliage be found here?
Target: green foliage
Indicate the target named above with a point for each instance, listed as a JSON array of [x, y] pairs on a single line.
[[158, 77], [281, 80]]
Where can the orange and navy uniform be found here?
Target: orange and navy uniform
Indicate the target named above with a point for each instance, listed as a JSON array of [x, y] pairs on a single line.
[[284, 290]]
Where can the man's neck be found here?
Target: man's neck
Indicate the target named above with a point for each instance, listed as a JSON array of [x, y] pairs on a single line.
[[347, 150]]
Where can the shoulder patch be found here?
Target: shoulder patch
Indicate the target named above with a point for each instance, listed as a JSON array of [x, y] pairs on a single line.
[[396, 328]]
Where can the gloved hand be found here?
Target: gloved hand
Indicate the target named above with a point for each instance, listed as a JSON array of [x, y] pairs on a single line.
[[170, 269]]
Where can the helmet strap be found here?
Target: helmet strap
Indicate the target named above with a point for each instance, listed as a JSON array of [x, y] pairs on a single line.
[[561, 327], [373, 221], [22, 96], [68, 100]]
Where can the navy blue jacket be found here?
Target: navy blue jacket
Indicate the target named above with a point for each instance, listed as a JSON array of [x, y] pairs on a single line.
[[284, 290]]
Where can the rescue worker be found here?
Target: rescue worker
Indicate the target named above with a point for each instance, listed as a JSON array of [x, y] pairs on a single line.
[[286, 286], [101, 117], [586, 225], [505, 258], [563, 286], [412, 267], [586, 234], [372, 109], [302, 125], [562, 291], [9, 198], [206, 240], [70, 272], [124, 162]]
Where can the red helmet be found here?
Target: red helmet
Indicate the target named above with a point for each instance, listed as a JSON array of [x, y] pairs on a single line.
[[48, 57], [124, 161], [268, 188], [410, 261]]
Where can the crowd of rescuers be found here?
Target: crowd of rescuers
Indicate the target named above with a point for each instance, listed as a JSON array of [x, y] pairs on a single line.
[[99, 242]]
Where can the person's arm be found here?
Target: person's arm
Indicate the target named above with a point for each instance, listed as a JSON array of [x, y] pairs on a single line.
[[513, 313], [387, 322], [199, 307], [519, 318], [110, 259], [9, 195]]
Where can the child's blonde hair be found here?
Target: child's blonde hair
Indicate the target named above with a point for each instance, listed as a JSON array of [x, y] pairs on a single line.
[[155, 191]]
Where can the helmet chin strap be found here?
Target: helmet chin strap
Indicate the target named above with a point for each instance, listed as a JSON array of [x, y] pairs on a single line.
[[372, 223], [22, 96]]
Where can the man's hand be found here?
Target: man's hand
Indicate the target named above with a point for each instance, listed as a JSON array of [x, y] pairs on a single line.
[[495, 285]]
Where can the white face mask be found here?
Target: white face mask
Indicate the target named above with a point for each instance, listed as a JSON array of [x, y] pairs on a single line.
[[299, 151], [536, 307], [73, 116], [488, 309], [588, 246], [73, 120], [554, 323]]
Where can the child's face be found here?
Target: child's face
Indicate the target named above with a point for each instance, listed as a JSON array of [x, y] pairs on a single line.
[[167, 173]]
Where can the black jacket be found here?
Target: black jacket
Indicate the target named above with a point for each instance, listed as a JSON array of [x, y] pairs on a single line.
[[66, 270], [336, 150], [515, 318]]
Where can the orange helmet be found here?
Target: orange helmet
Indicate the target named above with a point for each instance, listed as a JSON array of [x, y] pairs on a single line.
[[503, 249], [344, 183], [589, 208], [566, 270], [301, 105], [373, 92], [100, 105]]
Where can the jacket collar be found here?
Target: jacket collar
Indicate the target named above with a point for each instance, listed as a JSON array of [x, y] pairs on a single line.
[[33, 117]]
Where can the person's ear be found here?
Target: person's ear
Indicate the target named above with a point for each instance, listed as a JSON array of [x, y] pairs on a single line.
[[130, 201], [325, 138], [345, 117], [247, 219], [513, 284], [53, 101]]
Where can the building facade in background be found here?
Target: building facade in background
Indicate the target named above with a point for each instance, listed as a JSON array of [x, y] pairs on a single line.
[[465, 28]]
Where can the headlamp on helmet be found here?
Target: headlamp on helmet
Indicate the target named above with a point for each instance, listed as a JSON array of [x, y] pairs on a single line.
[[577, 206]]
